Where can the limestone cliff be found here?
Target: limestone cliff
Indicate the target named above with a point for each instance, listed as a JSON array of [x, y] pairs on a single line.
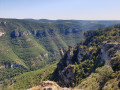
[[17, 33], [66, 71], [108, 49]]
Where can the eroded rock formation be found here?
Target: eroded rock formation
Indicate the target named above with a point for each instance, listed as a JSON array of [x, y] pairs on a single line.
[[49, 85], [17, 33]]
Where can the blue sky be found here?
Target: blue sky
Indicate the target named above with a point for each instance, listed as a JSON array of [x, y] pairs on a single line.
[[61, 9]]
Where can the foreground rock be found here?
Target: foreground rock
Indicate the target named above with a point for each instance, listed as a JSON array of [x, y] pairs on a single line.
[[49, 85]]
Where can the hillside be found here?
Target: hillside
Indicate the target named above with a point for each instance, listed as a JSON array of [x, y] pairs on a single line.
[[31, 45], [92, 64]]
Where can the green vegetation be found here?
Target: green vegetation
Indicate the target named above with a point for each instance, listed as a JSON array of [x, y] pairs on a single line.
[[83, 70], [105, 77], [28, 47], [97, 80], [33, 78], [29, 79], [96, 62]]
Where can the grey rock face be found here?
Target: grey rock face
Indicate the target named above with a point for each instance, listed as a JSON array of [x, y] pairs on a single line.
[[76, 30], [80, 55], [34, 32], [41, 33], [67, 59], [51, 30], [16, 65], [65, 67], [108, 49], [9, 65], [68, 31], [3, 22], [25, 33], [66, 75], [16, 33]]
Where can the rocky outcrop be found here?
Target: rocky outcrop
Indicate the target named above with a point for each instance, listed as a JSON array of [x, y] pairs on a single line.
[[68, 31], [67, 75], [51, 31], [84, 53], [1, 34], [17, 33], [65, 69], [24, 33], [109, 49], [49, 85], [67, 59], [75, 30], [16, 65], [3, 22], [9, 65], [34, 32], [39, 33], [80, 55]]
